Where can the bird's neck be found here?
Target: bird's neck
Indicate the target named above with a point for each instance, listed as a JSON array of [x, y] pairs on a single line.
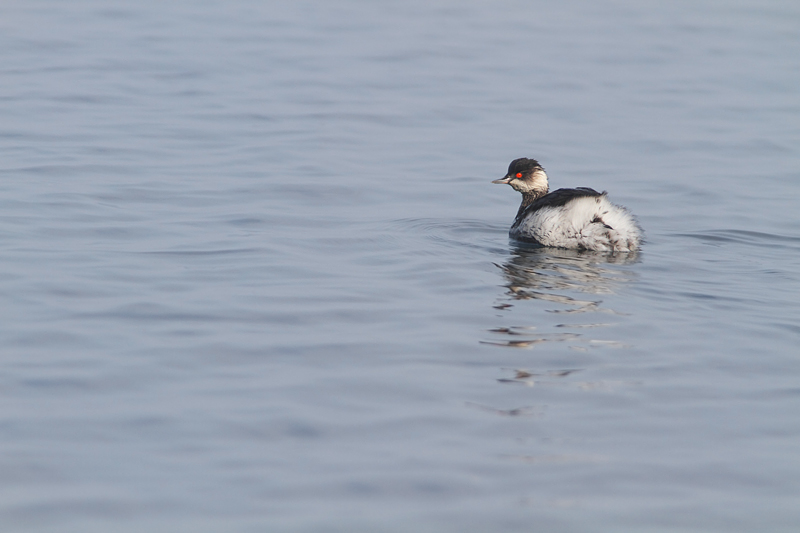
[[534, 188], [528, 197]]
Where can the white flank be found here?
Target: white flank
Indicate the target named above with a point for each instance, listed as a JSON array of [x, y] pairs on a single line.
[[575, 225]]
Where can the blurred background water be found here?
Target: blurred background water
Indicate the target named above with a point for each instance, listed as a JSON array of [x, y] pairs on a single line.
[[254, 276]]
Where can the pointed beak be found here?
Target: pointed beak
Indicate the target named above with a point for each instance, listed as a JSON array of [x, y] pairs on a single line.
[[503, 180]]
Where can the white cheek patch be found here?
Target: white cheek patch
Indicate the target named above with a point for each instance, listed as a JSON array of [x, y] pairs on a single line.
[[536, 183]]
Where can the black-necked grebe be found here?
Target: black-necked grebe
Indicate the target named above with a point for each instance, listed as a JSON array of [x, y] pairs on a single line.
[[580, 218]]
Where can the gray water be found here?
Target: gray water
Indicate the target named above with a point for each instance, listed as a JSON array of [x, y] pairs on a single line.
[[254, 275]]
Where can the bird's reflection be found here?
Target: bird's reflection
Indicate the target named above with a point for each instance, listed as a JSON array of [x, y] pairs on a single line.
[[565, 281], [548, 274]]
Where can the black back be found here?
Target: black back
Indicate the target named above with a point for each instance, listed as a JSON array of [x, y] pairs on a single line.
[[559, 198]]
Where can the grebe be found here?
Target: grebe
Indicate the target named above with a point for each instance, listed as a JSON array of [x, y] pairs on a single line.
[[579, 218]]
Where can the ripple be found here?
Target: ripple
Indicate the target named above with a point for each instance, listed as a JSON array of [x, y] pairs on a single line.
[[751, 238], [532, 379], [452, 232], [517, 411], [533, 339], [538, 339], [223, 251]]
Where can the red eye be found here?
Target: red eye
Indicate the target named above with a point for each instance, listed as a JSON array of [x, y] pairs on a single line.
[[519, 174]]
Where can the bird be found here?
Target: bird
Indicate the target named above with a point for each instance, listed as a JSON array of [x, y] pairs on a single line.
[[579, 218]]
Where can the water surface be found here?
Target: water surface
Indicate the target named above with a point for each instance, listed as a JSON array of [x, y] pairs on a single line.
[[255, 276]]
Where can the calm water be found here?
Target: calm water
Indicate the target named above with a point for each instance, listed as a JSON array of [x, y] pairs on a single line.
[[254, 276]]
